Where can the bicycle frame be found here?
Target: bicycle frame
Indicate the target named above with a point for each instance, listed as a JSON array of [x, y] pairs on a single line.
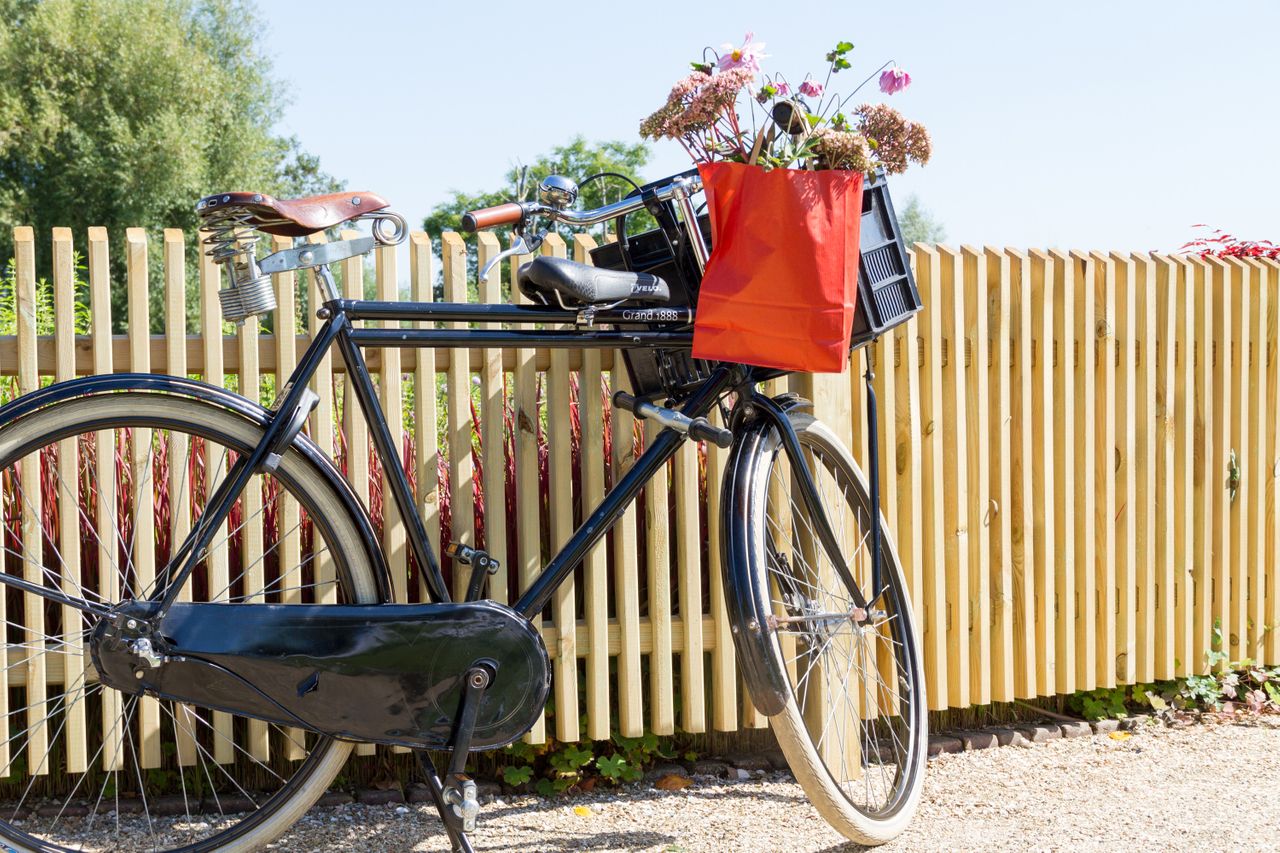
[[339, 332]]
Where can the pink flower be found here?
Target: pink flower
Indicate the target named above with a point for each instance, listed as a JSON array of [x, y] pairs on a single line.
[[894, 80], [748, 56], [811, 89], [782, 89]]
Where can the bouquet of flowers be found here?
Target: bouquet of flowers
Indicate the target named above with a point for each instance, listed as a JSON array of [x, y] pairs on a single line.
[[728, 109], [783, 170]]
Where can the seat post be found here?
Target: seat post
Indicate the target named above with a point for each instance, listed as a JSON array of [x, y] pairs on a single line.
[[324, 281]]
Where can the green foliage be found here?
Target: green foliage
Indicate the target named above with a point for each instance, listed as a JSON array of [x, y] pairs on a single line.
[[578, 159], [44, 300], [125, 112], [918, 224]]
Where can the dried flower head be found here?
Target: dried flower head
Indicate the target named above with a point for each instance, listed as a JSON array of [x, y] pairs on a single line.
[[843, 149], [897, 141]]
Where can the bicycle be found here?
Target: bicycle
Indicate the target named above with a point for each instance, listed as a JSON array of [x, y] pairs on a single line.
[[302, 654]]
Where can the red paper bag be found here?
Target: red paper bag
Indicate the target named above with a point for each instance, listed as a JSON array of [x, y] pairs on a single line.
[[780, 287]]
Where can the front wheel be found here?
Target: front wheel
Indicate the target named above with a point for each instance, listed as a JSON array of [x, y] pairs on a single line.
[[849, 707]]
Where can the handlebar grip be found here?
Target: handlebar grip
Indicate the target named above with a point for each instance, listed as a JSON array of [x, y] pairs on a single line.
[[703, 430], [487, 217]]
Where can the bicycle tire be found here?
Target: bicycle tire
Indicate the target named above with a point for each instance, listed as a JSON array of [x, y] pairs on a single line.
[[149, 422], [791, 579]]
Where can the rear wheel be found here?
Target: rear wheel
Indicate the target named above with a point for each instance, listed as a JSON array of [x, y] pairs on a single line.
[[97, 493], [853, 726]]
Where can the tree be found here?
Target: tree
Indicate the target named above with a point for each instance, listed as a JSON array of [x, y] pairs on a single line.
[[578, 159], [125, 112], [919, 225]]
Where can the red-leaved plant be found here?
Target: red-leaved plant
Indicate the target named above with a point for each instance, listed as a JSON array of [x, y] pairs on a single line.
[[1220, 244]]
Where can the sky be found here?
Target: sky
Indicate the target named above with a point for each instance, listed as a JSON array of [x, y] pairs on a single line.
[[1079, 124]]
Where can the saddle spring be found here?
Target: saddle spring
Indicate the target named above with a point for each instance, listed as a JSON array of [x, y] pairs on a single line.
[[232, 242]]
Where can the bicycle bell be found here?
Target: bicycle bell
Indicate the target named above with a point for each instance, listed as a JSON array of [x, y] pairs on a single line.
[[557, 191]]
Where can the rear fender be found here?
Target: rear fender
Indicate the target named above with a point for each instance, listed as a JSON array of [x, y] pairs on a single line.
[[210, 395]]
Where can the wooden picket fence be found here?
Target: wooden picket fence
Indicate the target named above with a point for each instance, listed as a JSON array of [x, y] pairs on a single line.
[[1056, 433]]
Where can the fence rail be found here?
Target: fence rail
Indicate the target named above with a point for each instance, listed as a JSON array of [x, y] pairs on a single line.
[[1057, 428]]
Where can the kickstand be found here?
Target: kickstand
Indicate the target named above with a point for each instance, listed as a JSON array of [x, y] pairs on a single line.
[[455, 795]]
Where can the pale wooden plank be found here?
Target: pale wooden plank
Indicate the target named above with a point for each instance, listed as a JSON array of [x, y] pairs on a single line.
[[1071, 463], [1102, 605], [354, 424], [1002, 470], [1023, 460], [933, 541], [906, 462], [1205, 475], [288, 537], [1272, 564], [1048, 413], [216, 567], [1223, 431], [626, 578], [459, 423], [956, 501], [528, 501], [658, 564], [1239, 297], [70, 519], [323, 424], [491, 430], [1127, 482], [1184, 515], [105, 481], [426, 438], [1259, 464], [141, 474], [1164, 500], [30, 503], [560, 504], [595, 566], [1143, 425], [724, 670]]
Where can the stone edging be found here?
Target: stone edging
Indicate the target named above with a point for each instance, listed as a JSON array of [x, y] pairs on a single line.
[[1026, 734]]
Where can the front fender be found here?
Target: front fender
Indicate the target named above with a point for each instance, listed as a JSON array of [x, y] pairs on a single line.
[[212, 395], [747, 607]]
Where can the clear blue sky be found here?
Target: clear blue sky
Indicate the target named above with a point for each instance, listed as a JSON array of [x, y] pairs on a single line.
[[1083, 124]]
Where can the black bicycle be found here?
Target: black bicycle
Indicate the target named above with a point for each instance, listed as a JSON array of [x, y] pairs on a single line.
[[249, 687]]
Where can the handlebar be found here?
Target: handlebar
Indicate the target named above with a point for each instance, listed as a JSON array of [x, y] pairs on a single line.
[[520, 212]]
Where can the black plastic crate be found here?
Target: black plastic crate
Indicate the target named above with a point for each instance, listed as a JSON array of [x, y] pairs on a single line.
[[887, 294]]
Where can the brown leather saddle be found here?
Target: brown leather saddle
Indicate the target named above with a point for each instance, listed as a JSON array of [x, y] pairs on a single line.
[[294, 217]]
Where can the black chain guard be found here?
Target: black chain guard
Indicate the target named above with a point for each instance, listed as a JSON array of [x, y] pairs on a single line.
[[378, 673]]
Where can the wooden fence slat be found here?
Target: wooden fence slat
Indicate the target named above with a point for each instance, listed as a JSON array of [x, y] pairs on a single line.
[[492, 428], [934, 533], [658, 566], [1095, 493], [323, 423], [1223, 430], [1001, 513], [1097, 590], [142, 483], [426, 440], [1271, 594], [354, 425], [30, 505], [1143, 424], [453, 254], [1238, 295], [1164, 502], [1069, 434], [1184, 465], [956, 501], [288, 535], [1127, 483], [560, 503], [1259, 466], [1205, 472], [1048, 413], [724, 667], [69, 517], [528, 501], [595, 565], [1023, 461], [105, 482], [906, 464], [626, 574]]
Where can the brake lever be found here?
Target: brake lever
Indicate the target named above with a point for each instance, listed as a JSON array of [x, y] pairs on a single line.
[[520, 245]]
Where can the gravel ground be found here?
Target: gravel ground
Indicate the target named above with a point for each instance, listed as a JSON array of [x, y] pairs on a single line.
[[1198, 788]]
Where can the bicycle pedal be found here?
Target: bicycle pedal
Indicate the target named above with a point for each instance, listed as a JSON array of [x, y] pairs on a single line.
[[464, 803]]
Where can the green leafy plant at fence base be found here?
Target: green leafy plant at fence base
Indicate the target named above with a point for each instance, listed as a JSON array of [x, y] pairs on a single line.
[[1226, 686]]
